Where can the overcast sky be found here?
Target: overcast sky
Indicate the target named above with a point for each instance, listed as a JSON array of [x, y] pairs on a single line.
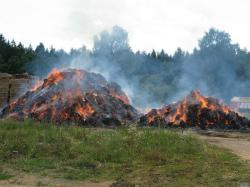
[[157, 24]]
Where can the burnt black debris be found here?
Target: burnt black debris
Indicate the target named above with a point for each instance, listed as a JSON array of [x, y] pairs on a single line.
[[74, 96], [195, 111]]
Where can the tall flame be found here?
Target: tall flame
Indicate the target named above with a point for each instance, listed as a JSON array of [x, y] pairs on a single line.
[[180, 114], [54, 77]]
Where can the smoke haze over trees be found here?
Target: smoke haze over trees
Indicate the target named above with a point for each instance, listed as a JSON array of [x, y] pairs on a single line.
[[217, 67]]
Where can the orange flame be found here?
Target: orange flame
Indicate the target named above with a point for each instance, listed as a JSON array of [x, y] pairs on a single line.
[[54, 77], [123, 98], [203, 101], [85, 111], [225, 109], [180, 114], [205, 104]]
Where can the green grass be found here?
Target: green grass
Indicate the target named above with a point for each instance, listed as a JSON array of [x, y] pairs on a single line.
[[141, 156], [4, 175]]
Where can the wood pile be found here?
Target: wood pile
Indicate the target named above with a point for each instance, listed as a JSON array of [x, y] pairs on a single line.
[[74, 96], [13, 85], [195, 111]]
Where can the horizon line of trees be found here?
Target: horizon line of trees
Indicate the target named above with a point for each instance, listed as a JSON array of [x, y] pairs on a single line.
[[217, 67], [15, 58]]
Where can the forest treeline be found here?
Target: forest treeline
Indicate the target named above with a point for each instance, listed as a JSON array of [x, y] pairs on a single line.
[[217, 66]]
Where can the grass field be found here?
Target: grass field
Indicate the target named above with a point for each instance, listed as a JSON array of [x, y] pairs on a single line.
[[147, 157]]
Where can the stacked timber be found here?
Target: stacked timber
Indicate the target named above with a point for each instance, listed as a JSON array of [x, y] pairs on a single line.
[[13, 85], [19, 84], [4, 87]]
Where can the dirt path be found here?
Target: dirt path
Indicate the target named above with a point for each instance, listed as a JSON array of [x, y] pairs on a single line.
[[30, 180], [238, 143]]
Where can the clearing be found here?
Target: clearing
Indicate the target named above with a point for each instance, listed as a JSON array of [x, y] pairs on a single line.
[[35, 154]]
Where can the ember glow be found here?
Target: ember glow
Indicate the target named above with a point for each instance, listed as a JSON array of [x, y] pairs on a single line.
[[74, 96], [77, 96], [123, 98], [195, 110], [84, 111]]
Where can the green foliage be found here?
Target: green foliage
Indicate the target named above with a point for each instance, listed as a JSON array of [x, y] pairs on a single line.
[[142, 156], [13, 58], [4, 176], [218, 67], [214, 38]]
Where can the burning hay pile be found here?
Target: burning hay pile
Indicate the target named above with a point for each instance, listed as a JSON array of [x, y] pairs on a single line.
[[77, 96], [74, 96], [195, 111]]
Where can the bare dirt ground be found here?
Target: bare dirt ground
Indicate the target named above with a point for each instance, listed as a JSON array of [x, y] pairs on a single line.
[[30, 180], [238, 143]]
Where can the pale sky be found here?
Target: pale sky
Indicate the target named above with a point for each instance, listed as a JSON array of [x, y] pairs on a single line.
[[158, 24]]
